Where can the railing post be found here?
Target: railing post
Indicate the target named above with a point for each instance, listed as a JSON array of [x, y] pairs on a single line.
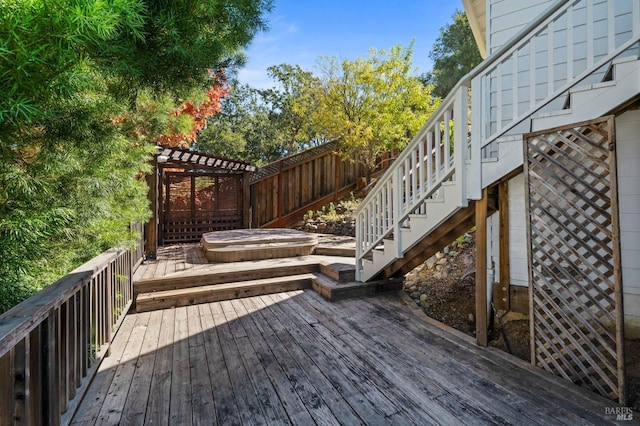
[[460, 145], [397, 210], [474, 171], [359, 225]]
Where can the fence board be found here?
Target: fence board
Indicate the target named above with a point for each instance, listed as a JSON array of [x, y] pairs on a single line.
[[283, 191]]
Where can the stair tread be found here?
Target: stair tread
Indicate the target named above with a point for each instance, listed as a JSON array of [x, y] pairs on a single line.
[[245, 267], [222, 287], [332, 290]]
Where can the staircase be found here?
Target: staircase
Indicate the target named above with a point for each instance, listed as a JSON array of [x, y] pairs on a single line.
[[621, 83], [425, 199]]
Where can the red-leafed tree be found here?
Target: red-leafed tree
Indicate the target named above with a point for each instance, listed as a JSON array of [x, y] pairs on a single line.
[[189, 118]]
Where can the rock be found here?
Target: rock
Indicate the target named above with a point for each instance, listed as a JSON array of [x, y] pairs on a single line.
[[443, 273], [471, 318], [443, 261], [415, 295], [423, 298], [439, 255], [430, 263], [467, 259]]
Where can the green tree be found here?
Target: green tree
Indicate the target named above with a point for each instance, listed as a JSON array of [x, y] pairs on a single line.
[[293, 102], [261, 126], [454, 54], [87, 88], [373, 104], [243, 129]]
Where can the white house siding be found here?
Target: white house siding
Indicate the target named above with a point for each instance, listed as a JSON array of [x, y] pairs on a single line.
[[628, 159], [549, 59], [507, 17], [519, 269], [493, 248], [518, 264]]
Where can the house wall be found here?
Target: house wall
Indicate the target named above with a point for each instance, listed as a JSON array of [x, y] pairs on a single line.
[[506, 17], [628, 161], [518, 264]]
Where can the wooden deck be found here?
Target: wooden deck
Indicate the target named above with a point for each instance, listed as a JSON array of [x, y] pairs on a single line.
[[294, 358], [186, 259]]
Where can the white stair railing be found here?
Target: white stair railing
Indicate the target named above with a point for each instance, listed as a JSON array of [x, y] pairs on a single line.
[[558, 51], [430, 159], [566, 45]]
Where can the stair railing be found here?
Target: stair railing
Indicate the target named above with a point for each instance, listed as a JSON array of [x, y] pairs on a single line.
[[565, 45], [560, 48], [430, 159]]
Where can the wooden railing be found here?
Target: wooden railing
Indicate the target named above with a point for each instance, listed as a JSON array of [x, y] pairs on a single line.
[[52, 343], [283, 191]]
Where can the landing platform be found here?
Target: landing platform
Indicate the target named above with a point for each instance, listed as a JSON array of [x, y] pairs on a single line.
[[254, 244]]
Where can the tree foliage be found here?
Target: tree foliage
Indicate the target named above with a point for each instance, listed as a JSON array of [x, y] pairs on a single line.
[[370, 105], [293, 103], [88, 87], [243, 128], [264, 125], [190, 117], [454, 54], [373, 104]]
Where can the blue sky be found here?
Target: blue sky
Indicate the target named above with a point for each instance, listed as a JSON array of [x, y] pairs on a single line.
[[302, 30]]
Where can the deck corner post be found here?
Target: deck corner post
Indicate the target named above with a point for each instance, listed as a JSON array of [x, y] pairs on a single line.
[[460, 145], [481, 269], [397, 210]]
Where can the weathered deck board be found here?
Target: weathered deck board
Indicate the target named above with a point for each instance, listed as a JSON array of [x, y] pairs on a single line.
[[294, 358], [160, 390]]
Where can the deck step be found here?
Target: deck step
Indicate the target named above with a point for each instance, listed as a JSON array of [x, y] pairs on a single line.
[[230, 272], [332, 290], [339, 271], [217, 292], [215, 282], [335, 251]]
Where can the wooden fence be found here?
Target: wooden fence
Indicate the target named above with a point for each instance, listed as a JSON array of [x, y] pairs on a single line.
[[283, 191], [52, 343]]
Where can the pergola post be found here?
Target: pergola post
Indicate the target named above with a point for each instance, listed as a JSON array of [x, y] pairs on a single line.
[[151, 228]]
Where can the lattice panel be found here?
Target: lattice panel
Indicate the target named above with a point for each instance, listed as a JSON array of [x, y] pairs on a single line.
[[198, 203], [574, 255]]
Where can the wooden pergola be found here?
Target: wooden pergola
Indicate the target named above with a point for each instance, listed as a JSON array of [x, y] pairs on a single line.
[[191, 193]]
